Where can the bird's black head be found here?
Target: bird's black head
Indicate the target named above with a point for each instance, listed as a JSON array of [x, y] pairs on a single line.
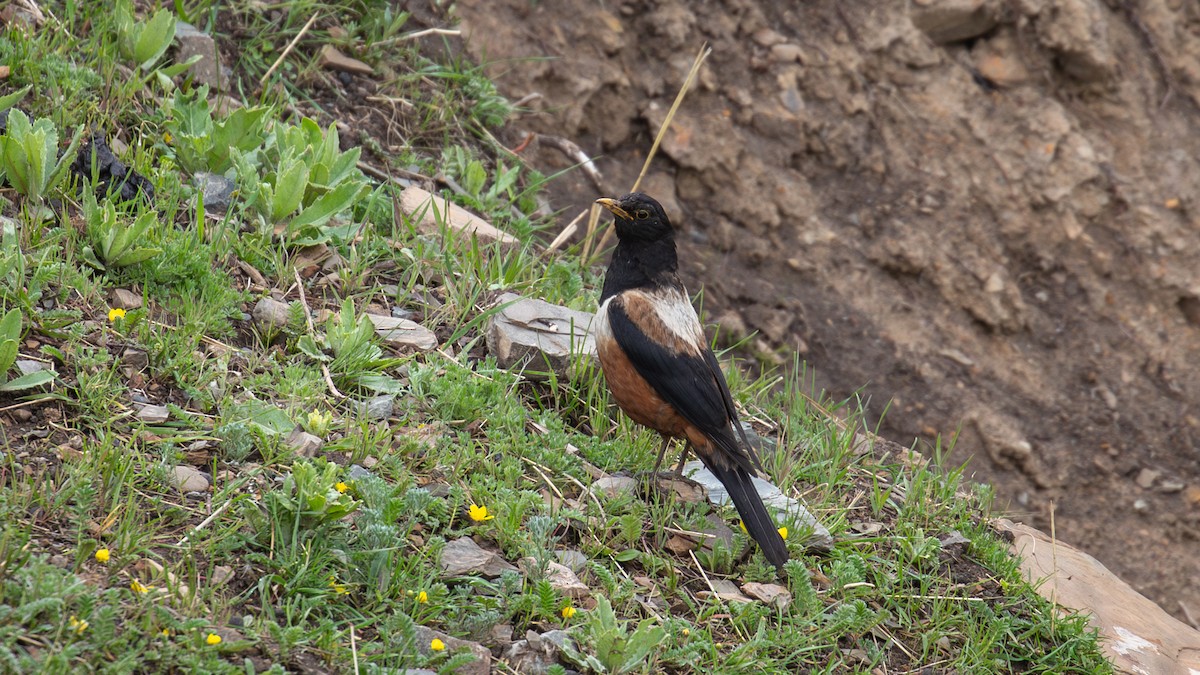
[[638, 218]]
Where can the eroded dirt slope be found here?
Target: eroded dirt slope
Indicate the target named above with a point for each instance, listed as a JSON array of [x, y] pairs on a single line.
[[984, 211]]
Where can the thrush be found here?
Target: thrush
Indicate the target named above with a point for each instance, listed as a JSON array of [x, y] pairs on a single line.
[[659, 366]]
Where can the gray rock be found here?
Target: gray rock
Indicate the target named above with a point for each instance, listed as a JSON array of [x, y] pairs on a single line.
[[151, 414], [191, 41], [536, 653], [771, 496], [270, 314], [357, 472], [561, 578], [375, 408], [953, 20], [771, 594], [572, 559], [217, 190], [482, 665], [615, 486], [403, 333], [463, 556], [27, 366], [123, 298], [189, 478], [303, 443], [537, 337]]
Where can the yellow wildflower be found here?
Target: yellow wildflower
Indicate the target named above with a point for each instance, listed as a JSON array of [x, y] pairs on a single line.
[[422, 597], [102, 555], [479, 513], [742, 524], [437, 645], [77, 625], [116, 313], [568, 612], [341, 487], [213, 639], [138, 587], [783, 532]]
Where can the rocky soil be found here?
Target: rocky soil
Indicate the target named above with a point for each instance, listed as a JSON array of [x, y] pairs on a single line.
[[984, 215]]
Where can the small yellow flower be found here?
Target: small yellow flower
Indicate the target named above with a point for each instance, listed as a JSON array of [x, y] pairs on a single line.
[[166, 632], [742, 524], [422, 597], [138, 587], [568, 612], [340, 589], [77, 625], [213, 639], [116, 313], [341, 487], [686, 632], [437, 645], [102, 555], [783, 532], [479, 513], [168, 138]]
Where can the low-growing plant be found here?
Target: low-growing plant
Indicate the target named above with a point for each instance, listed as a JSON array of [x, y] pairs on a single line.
[[201, 143], [28, 152], [307, 501], [605, 645], [10, 340], [113, 243], [357, 362]]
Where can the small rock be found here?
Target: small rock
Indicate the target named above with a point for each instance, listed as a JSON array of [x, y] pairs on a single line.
[[189, 479], [771, 594], [502, 633], [433, 212], [191, 41], [561, 578], [680, 545], [725, 590], [538, 337], [28, 366], [614, 486], [1146, 478], [1141, 505], [221, 575], [217, 191], [686, 490], [151, 414], [135, 358], [463, 556], [1171, 486], [332, 59], [21, 415], [482, 665], [376, 407], [787, 53], [575, 560], [270, 314], [403, 333], [123, 298], [303, 443], [535, 654], [357, 472], [953, 20]]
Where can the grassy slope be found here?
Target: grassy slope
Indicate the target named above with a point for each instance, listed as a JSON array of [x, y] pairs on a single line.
[[279, 575]]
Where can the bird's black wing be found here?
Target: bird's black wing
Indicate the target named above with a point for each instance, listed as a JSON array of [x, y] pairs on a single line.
[[692, 383]]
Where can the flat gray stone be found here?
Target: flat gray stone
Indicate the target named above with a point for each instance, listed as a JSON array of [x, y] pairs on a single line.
[[947, 21], [537, 337], [189, 478], [303, 443], [432, 211], [191, 41], [463, 556], [403, 333], [615, 486], [151, 414], [217, 191], [270, 314], [482, 665], [771, 496]]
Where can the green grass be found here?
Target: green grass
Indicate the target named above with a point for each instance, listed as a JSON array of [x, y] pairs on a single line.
[[287, 562]]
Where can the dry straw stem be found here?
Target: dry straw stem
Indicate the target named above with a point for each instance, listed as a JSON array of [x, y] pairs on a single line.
[[701, 55]]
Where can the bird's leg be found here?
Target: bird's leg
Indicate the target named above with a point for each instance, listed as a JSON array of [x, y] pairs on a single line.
[[683, 454], [661, 451]]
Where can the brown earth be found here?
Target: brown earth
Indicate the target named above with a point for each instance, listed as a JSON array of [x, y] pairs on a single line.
[[983, 212]]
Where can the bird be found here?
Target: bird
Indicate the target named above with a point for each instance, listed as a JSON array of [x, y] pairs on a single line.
[[659, 367]]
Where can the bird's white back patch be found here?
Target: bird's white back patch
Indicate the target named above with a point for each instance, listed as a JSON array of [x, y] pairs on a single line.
[[677, 314]]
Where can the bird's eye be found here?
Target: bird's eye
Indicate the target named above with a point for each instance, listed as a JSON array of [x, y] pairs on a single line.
[[642, 214]]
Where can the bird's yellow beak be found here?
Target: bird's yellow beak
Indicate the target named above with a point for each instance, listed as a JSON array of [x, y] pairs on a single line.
[[611, 205]]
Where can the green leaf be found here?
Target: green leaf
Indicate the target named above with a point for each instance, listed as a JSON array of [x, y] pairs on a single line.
[[14, 98], [290, 183], [327, 206], [154, 38], [10, 325], [29, 380], [8, 355]]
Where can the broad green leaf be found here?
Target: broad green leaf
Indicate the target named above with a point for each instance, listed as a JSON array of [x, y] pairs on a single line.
[[8, 355], [10, 325], [290, 183], [155, 36], [28, 381], [14, 98], [327, 206]]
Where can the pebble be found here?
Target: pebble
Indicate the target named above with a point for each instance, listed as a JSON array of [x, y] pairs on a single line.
[[189, 479]]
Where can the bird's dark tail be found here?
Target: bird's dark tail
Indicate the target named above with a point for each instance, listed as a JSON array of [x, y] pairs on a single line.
[[750, 507]]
